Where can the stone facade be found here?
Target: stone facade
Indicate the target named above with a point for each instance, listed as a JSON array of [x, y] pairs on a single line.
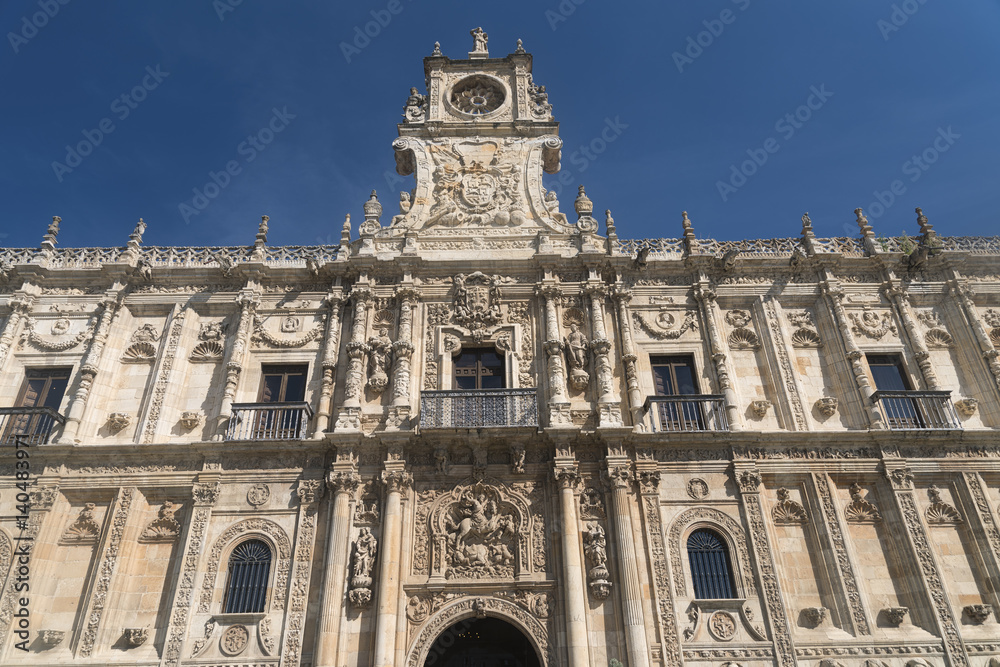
[[861, 525]]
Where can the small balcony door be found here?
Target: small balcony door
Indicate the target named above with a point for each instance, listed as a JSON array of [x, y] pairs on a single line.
[[889, 375], [42, 388], [280, 384], [480, 368], [675, 376]]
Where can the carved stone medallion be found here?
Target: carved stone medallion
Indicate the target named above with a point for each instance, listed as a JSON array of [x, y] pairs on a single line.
[[722, 626], [235, 640], [258, 494]]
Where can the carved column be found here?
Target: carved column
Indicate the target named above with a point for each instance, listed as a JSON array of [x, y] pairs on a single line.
[[247, 301], [90, 365], [623, 296], [558, 402], [608, 403], [402, 354], [575, 595], [748, 480], [618, 475], [857, 621], [309, 492], [343, 481], [901, 479], [97, 597], [205, 494], [331, 345], [835, 297], [894, 289], [975, 323], [20, 305], [976, 490], [706, 297], [350, 412], [397, 481], [162, 374], [663, 597]]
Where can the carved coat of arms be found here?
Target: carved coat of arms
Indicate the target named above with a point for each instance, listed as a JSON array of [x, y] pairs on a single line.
[[477, 303]]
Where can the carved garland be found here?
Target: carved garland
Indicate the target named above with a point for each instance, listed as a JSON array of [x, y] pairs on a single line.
[[840, 551], [470, 607], [163, 378], [249, 526], [663, 328], [261, 334], [31, 336], [730, 527], [300, 578], [107, 569]]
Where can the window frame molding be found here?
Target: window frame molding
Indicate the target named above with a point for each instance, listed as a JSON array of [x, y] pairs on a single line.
[[732, 534], [445, 351], [269, 584], [703, 373], [213, 591]]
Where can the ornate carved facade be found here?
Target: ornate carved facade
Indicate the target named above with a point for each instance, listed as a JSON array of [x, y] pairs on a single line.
[[642, 452]]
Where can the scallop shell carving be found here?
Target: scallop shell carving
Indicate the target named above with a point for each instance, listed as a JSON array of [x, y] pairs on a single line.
[[806, 338], [995, 339], [939, 338], [210, 350], [139, 352], [743, 339]]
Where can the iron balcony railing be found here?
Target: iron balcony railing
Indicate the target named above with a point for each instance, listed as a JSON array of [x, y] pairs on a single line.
[[687, 412], [32, 426], [269, 421], [916, 410], [480, 408]]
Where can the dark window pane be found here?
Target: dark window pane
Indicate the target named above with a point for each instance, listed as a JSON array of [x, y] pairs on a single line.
[[479, 369], [295, 389], [249, 567], [492, 382], [271, 391], [711, 570], [465, 382], [55, 393], [888, 377], [685, 379]]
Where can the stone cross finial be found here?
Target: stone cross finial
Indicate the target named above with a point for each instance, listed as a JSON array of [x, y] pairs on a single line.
[[49, 240]]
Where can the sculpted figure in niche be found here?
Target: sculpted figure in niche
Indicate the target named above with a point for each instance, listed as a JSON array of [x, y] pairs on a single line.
[[379, 347], [365, 548], [595, 545], [577, 344], [479, 537]]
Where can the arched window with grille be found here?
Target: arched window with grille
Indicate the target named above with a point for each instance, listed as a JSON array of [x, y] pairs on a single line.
[[711, 569], [249, 570]]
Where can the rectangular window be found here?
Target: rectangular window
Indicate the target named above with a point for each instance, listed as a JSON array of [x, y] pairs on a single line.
[[888, 373], [43, 387], [481, 368], [283, 384], [900, 411], [675, 376]]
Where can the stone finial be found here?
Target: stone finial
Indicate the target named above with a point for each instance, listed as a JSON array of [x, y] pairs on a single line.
[[437, 49], [373, 209], [687, 226], [609, 222], [866, 229], [583, 205], [520, 47], [345, 231], [925, 227], [49, 240], [262, 230], [807, 226]]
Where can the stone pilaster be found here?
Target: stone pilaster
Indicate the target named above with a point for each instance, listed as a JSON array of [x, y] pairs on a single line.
[[623, 296], [901, 479], [901, 299], [857, 620], [331, 351], [402, 354], [162, 373], [397, 482], [343, 481], [835, 298], [618, 475], [97, 595], [309, 493], [20, 306], [975, 488], [710, 311], [90, 365], [789, 391], [748, 480], [608, 403], [558, 401], [248, 300], [349, 418], [975, 323], [205, 494], [567, 474]]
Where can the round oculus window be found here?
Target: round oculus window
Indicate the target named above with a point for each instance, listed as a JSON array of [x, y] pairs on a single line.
[[477, 95]]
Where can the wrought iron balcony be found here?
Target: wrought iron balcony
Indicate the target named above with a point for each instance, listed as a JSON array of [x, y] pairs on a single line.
[[687, 413], [916, 410], [269, 421], [29, 425], [480, 408]]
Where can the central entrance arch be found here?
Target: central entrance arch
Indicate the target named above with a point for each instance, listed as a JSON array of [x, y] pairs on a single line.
[[482, 642]]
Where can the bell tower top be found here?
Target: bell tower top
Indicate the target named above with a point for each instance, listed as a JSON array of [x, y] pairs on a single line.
[[479, 95]]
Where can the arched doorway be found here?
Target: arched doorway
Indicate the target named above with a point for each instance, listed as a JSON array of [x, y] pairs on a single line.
[[482, 642]]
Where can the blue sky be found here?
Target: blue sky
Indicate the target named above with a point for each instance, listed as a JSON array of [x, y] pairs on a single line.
[[698, 93]]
